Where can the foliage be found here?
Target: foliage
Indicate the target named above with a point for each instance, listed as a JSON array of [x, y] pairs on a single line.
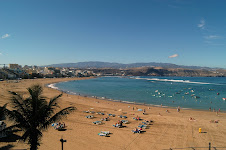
[[35, 114], [2, 112]]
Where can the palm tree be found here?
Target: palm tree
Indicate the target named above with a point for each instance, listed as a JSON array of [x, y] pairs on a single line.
[[35, 114], [2, 112]]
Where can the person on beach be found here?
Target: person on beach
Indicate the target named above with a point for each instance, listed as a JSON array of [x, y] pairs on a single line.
[[63, 125], [192, 119], [178, 109], [120, 123], [210, 109], [144, 112], [135, 130]]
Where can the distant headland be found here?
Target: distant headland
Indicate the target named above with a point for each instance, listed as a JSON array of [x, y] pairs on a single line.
[[94, 68]]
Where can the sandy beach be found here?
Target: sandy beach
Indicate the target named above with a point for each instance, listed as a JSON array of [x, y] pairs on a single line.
[[169, 129]]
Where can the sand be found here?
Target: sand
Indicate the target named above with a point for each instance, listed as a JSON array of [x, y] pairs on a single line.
[[169, 130]]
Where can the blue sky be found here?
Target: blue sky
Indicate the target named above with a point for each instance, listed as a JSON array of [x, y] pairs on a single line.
[[183, 32]]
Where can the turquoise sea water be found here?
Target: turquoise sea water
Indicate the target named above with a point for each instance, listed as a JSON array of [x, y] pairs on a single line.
[[186, 92]]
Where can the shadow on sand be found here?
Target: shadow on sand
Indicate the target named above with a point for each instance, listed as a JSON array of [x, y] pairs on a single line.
[[10, 138], [7, 147]]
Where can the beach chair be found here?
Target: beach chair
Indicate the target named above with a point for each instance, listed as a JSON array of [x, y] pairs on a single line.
[[86, 111], [105, 132], [105, 119], [97, 122], [100, 113], [121, 116], [136, 131], [117, 125], [102, 134], [89, 116], [54, 124], [146, 123], [113, 115], [142, 126], [136, 118], [125, 121], [60, 127]]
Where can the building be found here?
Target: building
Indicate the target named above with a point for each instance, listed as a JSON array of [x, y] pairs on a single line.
[[14, 66]]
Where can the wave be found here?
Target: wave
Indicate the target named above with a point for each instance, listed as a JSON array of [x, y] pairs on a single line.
[[171, 80], [53, 86]]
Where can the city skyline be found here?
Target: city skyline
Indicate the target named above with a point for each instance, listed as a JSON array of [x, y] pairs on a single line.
[[190, 33]]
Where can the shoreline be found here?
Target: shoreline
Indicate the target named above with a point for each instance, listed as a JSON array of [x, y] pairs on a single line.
[[123, 101], [170, 129]]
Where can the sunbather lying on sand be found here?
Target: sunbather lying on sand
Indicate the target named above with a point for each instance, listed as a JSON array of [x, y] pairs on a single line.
[[136, 118], [214, 121], [192, 119], [105, 119], [135, 130], [59, 126]]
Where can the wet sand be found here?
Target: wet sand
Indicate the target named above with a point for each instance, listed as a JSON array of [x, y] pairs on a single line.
[[169, 130]]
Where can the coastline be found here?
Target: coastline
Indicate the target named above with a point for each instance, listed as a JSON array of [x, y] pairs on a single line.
[[51, 85], [169, 130]]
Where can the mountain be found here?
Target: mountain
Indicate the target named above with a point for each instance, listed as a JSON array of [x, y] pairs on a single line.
[[97, 64]]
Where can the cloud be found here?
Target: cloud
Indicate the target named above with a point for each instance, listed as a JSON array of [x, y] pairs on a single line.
[[212, 37], [202, 24], [173, 56], [5, 36], [211, 43]]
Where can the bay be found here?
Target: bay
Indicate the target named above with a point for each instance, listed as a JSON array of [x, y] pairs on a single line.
[[186, 92]]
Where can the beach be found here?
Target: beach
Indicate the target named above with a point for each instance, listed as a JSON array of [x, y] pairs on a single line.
[[170, 129]]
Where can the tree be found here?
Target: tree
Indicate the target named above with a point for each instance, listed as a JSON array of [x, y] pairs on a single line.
[[35, 114], [2, 112]]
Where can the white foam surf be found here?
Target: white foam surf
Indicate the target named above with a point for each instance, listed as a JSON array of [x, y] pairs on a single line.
[[170, 80], [52, 86]]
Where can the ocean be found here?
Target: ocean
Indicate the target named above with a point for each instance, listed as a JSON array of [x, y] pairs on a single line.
[[186, 92]]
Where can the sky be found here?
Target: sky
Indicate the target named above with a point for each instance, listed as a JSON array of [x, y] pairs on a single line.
[[183, 32]]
